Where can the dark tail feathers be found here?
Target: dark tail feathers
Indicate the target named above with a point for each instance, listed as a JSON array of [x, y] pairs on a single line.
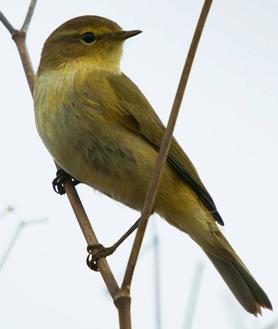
[[242, 284]]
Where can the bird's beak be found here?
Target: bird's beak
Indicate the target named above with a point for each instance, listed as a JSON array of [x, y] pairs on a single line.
[[123, 35]]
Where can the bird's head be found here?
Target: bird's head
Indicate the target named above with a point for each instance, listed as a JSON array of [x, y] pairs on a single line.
[[85, 39]]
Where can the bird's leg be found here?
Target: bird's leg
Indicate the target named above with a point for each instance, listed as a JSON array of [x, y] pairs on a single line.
[[97, 251], [60, 179]]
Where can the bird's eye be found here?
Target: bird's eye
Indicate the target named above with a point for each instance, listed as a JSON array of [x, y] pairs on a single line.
[[88, 37]]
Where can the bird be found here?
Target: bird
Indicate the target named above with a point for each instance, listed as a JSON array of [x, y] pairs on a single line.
[[101, 130]]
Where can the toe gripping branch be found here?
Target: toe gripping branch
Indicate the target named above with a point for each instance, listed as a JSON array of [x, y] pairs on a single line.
[[97, 251], [60, 179]]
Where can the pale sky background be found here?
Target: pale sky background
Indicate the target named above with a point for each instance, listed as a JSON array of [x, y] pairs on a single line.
[[228, 126]]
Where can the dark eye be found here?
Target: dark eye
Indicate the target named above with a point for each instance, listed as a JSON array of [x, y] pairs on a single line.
[[88, 37]]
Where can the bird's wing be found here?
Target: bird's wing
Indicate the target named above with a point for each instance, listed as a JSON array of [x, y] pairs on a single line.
[[136, 114]]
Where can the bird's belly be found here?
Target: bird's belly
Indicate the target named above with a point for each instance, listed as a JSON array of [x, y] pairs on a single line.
[[102, 156], [109, 158]]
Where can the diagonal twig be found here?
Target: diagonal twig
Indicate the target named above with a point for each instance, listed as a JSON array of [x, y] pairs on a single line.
[[6, 23], [90, 237], [163, 152], [28, 16]]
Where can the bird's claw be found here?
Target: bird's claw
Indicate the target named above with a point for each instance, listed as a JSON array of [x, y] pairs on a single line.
[[97, 251], [60, 179]]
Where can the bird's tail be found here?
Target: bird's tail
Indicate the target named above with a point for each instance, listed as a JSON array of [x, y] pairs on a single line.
[[242, 284]]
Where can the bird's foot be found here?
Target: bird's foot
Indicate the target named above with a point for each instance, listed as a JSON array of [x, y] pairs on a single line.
[[60, 179], [97, 251]]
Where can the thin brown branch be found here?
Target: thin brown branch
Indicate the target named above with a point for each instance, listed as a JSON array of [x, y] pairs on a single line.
[[165, 145], [19, 39], [6, 23], [90, 237], [29, 15], [122, 301]]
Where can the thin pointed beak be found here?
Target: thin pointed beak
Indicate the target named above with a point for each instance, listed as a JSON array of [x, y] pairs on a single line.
[[123, 35]]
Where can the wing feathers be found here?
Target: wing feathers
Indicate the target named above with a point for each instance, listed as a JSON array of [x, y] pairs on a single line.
[[136, 114]]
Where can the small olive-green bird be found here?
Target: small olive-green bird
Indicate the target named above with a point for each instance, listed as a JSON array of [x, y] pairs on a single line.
[[100, 128]]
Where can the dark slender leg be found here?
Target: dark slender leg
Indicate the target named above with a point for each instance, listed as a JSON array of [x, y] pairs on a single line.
[[60, 179], [97, 251]]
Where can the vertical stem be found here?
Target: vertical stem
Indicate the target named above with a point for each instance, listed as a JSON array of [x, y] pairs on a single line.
[[193, 296], [122, 301], [157, 285], [124, 316]]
